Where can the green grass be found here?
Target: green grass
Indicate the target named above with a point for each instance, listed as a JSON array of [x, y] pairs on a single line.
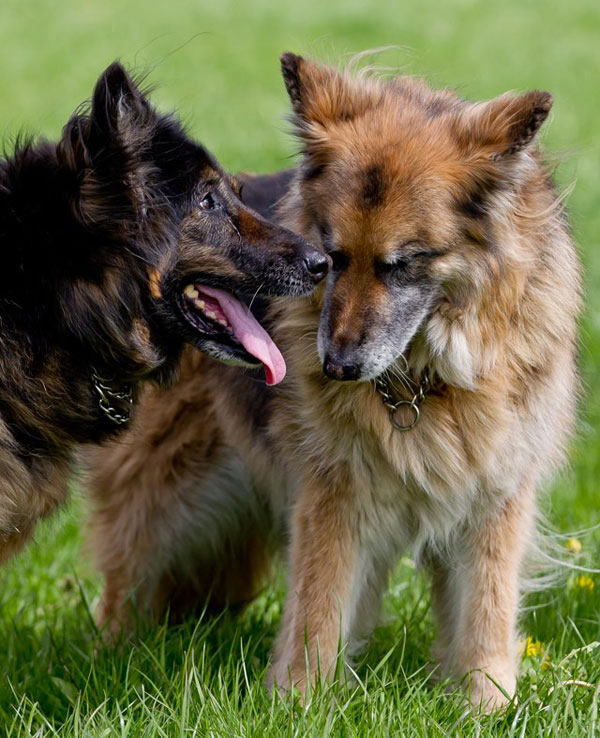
[[217, 63]]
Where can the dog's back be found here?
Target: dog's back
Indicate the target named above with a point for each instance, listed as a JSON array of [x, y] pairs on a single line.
[[264, 192]]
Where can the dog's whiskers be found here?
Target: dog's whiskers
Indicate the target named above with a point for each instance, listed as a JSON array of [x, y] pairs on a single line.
[[258, 289], [395, 372]]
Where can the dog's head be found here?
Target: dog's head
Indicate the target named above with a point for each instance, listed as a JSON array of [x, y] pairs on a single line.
[[397, 181], [130, 239]]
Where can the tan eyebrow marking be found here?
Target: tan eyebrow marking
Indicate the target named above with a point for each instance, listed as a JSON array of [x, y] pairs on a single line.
[[154, 281]]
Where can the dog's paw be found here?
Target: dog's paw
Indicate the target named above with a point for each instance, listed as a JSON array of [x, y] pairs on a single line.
[[114, 624], [489, 690], [284, 678], [302, 684]]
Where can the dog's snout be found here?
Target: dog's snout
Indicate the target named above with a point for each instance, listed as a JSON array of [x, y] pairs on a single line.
[[317, 264], [339, 371]]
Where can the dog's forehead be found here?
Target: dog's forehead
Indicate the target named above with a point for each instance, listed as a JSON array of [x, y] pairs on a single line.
[[402, 157], [385, 188], [210, 172], [209, 168], [386, 197]]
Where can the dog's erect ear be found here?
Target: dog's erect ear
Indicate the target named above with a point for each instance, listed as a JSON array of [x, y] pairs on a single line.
[[506, 125], [119, 109], [321, 95], [104, 149]]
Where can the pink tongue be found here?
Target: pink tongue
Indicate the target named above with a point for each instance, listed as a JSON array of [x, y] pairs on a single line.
[[250, 333]]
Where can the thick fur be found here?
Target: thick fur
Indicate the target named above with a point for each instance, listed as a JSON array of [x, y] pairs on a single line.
[[99, 234], [451, 255]]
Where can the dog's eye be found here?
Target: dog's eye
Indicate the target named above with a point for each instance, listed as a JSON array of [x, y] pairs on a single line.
[[400, 264], [339, 260], [207, 203], [389, 267]]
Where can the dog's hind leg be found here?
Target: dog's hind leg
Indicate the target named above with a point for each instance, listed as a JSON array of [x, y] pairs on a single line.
[[476, 599], [443, 601], [174, 513], [211, 583]]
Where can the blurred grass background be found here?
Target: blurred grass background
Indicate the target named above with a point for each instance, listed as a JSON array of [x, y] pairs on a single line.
[[217, 64]]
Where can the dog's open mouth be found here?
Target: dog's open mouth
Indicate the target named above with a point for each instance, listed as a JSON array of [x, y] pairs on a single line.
[[228, 322]]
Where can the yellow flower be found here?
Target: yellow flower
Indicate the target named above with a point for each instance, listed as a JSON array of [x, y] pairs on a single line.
[[573, 545], [584, 582], [532, 648]]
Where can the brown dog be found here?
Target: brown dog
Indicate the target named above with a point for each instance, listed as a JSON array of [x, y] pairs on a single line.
[[451, 310]]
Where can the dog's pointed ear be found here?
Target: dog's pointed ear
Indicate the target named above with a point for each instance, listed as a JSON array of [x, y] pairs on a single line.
[[118, 106], [507, 124], [322, 95], [103, 149], [321, 98]]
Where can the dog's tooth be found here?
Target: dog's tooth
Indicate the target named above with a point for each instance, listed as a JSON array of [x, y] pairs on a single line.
[[210, 314], [200, 304], [222, 321], [191, 291]]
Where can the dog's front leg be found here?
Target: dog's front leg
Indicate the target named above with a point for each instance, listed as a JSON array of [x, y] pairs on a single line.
[[483, 606], [322, 562]]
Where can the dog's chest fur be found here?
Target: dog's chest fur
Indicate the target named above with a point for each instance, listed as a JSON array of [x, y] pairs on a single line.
[[418, 487]]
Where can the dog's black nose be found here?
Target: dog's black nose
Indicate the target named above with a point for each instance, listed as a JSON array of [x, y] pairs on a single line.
[[317, 264], [341, 372]]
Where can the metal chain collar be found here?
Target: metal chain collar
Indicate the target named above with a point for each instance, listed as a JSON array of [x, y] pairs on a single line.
[[394, 405], [115, 404]]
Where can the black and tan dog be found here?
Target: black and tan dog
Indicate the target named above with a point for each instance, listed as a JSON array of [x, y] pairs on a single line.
[[118, 244]]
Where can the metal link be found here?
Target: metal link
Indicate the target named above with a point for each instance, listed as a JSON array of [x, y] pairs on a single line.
[[393, 405], [416, 415], [115, 404]]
